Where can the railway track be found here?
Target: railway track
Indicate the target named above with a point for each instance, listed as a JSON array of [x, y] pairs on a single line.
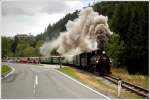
[[134, 88], [129, 86]]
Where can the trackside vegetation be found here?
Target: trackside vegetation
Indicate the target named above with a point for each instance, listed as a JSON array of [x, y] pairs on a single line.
[[137, 79], [98, 83], [68, 71]]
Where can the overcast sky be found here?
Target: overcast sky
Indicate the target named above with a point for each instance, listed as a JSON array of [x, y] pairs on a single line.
[[33, 16]]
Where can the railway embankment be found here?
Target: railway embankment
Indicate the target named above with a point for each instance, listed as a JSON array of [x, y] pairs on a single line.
[[99, 83]]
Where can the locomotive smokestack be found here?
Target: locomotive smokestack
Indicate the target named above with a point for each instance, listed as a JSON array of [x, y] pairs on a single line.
[[102, 33]]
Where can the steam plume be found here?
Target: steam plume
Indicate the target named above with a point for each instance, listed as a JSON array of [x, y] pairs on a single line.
[[88, 32]]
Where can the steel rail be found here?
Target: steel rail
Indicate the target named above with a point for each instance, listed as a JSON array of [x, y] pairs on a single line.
[[134, 88]]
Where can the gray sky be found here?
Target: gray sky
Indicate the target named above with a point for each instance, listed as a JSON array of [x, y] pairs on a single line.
[[33, 16]]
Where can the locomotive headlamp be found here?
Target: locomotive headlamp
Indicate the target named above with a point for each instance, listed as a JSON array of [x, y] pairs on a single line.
[[110, 61], [103, 52]]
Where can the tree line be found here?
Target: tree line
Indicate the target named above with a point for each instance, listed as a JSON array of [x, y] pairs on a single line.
[[23, 47]]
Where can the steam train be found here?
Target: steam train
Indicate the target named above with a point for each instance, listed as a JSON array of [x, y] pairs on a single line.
[[95, 62]]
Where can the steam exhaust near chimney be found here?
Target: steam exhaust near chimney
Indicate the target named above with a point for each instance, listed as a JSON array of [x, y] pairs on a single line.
[[88, 32]]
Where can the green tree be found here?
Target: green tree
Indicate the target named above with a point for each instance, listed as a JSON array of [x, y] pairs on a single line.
[[37, 48], [137, 40], [6, 46], [22, 45], [52, 31], [130, 21], [14, 44], [115, 49], [29, 52]]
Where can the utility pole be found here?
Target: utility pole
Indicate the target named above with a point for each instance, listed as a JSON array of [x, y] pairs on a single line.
[[60, 61]]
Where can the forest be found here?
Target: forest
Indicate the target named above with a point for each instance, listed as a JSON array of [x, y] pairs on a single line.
[[128, 46]]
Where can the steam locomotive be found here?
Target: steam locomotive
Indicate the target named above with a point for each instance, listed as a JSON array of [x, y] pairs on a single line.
[[95, 61]]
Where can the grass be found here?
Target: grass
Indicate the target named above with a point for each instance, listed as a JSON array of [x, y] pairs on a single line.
[[69, 71], [5, 69], [140, 80], [98, 84]]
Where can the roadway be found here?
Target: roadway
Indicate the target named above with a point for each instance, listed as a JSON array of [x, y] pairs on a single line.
[[42, 82]]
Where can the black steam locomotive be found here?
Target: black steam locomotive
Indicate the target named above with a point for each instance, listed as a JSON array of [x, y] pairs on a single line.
[[95, 61]]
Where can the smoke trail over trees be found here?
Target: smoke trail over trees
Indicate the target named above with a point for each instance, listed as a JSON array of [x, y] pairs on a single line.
[[88, 32]]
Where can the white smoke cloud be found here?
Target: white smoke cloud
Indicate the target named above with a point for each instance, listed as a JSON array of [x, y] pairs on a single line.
[[82, 35]]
